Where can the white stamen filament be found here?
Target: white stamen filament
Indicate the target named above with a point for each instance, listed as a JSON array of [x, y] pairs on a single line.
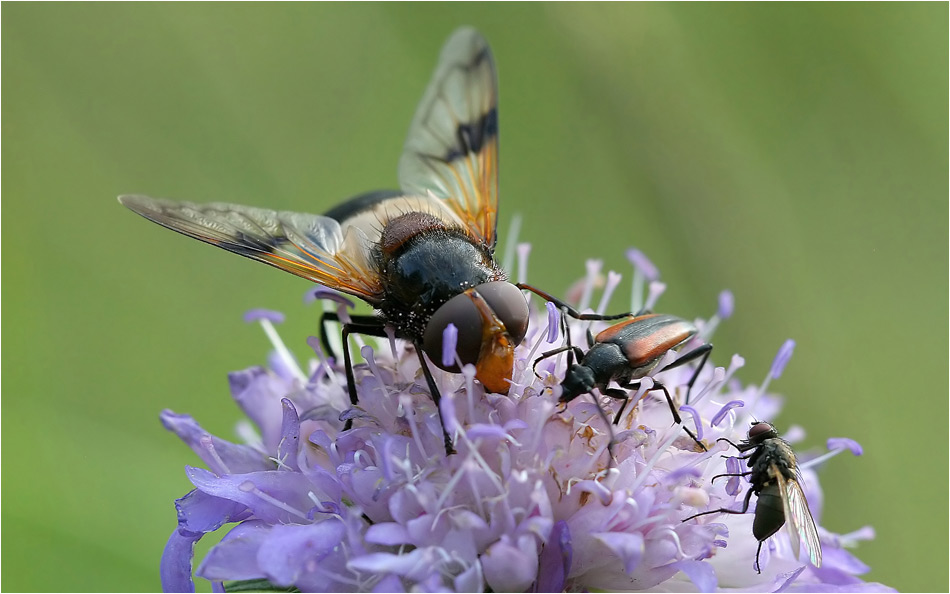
[[281, 349]]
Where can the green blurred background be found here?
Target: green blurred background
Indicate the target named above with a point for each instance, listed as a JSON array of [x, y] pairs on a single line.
[[796, 154]]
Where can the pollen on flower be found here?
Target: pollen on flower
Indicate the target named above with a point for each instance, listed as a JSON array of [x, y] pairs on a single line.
[[530, 501]]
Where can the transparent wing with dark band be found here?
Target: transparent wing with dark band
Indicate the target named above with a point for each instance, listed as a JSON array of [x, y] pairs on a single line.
[[310, 246], [451, 152]]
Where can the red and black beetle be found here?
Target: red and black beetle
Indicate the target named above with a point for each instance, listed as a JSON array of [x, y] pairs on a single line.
[[627, 352]]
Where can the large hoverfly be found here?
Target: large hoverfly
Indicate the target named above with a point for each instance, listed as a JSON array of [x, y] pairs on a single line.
[[775, 480], [422, 256]]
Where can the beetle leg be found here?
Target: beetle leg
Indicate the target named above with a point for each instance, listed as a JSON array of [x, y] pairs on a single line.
[[700, 351], [676, 415], [618, 394], [567, 308]]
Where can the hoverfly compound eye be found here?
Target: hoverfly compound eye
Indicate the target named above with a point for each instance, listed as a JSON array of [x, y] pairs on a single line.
[[461, 311], [509, 305]]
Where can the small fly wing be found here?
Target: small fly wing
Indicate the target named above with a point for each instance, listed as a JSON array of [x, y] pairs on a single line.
[[451, 152], [310, 246], [798, 517], [777, 476]]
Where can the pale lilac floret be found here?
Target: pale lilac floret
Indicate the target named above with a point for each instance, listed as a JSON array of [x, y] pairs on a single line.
[[782, 358], [844, 443], [529, 501], [553, 321], [256, 315], [450, 337], [643, 264], [726, 305]]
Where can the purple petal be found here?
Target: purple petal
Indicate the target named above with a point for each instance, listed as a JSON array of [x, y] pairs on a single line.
[[235, 557], [733, 466], [726, 305], [199, 512], [627, 545], [392, 583], [553, 318], [782, 358], [485, 431], [783, 581], [290, 436], [256, 315], [221, 456], [700, 573], [510, 568], [175, 567], [388, 534], [258, 393], [387, 562], [272, 495], [554, 564], [684, 471], [288, 550], [470, 580], [843, 443], [643, 264]]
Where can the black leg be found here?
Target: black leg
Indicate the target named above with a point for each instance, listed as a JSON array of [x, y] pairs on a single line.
[[572, 351], [618, 394], [713, 479], [676, 415], [567, 308], [700, 351], [332, 316], [376, 328], [436, 397], [610, 431], [723, 510], [758, 567]]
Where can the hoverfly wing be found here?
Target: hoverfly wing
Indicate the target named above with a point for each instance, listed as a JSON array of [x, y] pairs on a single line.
[[451, 152], [310, 246], [798, 515]]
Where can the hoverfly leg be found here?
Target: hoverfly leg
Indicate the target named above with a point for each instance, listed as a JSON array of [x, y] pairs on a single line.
[[332, 316], [436, 397], [373, 327]]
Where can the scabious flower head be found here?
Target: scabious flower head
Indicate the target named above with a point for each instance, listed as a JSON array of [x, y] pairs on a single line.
[[531, 500]]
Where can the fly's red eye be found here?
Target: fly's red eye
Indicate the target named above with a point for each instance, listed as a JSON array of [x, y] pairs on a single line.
[[761, 430]]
